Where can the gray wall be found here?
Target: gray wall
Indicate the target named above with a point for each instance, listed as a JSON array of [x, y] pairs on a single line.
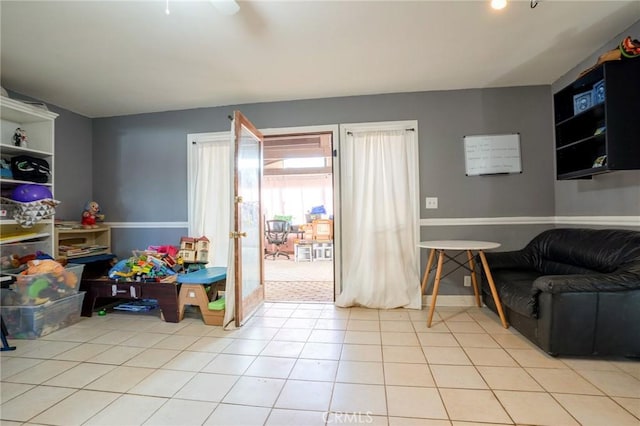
[[73, 160], [73, 173], [612, 194], [140, 161], [132, 152]]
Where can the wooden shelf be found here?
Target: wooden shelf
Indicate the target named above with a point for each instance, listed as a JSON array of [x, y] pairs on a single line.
[[16, 150], [83, 237], [23, 237]]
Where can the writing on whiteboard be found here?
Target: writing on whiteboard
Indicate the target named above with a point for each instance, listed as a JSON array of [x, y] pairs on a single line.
[[492, 154]]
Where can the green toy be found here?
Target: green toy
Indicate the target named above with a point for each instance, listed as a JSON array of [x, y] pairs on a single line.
[[36, 287], [217, 305]]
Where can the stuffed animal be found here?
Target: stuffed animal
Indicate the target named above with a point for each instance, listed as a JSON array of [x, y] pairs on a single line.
[[91, 214], [20, 138], [44, 280]]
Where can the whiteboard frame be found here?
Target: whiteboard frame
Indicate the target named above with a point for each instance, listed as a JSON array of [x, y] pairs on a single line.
[[514, 167]]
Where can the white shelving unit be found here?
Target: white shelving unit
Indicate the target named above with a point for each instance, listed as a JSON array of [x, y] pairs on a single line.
[[39, 126]]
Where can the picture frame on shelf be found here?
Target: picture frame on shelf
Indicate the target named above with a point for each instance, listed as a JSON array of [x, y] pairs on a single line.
[[598, 92], [582, 102]]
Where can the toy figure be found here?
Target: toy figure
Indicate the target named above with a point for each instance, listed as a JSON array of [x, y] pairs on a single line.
[[20, 138], [91, 214]]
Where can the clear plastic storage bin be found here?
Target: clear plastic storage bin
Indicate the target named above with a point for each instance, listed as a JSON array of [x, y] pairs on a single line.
[[30, 322], [41, 288]]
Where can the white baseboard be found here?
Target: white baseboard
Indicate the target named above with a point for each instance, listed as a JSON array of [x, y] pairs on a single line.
[[450, 300]]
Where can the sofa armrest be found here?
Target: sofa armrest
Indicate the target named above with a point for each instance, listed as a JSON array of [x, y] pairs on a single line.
[[587, 283], [509, 260]]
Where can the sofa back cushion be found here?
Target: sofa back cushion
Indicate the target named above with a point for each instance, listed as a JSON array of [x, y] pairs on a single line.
[[551, 267], [581, 251]]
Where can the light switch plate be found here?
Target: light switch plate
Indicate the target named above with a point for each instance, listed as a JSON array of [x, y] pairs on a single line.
[[431, 203]]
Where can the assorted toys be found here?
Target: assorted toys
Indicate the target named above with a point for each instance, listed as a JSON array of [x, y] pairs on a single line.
[[145, 266], [42, 281], [162, 263]]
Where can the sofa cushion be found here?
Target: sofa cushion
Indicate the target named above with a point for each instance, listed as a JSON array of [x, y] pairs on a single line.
[[551, 267], [515, 290], [603, 250]]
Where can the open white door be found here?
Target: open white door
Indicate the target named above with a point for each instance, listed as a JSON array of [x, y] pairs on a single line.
[[246, 223]]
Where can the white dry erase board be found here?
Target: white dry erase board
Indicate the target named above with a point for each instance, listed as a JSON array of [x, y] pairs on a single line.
[[492, 154]]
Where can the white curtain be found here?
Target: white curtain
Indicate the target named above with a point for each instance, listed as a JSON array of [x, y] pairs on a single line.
[[211, 205], [210, 212], [379, 202]]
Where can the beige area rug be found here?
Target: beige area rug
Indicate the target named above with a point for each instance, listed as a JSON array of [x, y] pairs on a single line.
[[289, 281]]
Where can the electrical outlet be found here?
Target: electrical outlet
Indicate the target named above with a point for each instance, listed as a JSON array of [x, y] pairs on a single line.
[[431, 202], [467, 280]]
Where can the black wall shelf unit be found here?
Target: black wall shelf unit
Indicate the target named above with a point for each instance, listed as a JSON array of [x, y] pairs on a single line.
[[597, 128]]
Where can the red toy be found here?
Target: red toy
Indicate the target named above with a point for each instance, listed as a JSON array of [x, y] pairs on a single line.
[[91, 214]]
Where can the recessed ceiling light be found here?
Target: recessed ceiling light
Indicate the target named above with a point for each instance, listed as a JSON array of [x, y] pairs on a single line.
[[498, 4]]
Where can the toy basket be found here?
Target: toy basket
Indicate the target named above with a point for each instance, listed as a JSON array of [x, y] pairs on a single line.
[[28, 214]]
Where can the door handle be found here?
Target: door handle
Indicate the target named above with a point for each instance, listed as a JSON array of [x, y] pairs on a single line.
[[237, 234]]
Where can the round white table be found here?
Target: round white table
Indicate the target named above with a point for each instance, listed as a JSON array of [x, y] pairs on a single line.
[[461, 246]]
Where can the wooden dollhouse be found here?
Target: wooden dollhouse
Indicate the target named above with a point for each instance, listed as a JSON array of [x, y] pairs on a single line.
[[194, 250]]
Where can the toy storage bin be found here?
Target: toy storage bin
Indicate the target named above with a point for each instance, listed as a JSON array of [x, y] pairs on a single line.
[[18, 250], [30, 322], [40, 288]]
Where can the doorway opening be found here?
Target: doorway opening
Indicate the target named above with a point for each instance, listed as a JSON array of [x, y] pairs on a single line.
[[298, 213]]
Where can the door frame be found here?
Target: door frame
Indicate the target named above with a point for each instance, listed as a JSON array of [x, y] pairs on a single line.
[[334, 129]]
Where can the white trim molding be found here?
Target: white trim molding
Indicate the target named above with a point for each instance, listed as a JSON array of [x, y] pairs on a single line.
[[628, 221], [535, 220], [598, 220], [475, 221], [139, 225]]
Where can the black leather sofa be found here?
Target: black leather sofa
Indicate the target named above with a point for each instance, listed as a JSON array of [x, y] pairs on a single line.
[[572, 291]]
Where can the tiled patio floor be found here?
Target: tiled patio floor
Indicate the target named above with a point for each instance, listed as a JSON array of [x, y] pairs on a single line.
[[298, 291], [290, 281]]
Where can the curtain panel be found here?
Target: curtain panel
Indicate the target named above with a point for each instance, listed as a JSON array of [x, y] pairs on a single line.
[[379, 196]]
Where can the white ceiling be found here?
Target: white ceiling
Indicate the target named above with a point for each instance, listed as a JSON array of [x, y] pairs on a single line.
[[105, 58]]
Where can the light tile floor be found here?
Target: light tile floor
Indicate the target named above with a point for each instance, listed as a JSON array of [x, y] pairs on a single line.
[[309, 364]]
